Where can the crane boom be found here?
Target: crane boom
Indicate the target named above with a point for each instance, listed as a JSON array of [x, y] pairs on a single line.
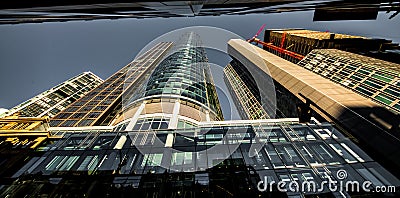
[[273, 47], [258, 32]]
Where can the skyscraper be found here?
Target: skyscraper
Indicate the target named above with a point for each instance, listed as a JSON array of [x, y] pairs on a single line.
[[359, 116], [180, 90], [244, 92], [100, 106], [56, 99]]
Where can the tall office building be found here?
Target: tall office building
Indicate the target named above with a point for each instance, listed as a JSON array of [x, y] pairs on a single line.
[[170, 141], [101, 105], [370, 77], [303, 41], [56, 99], [180, 91], [361, 118], [244, 92]]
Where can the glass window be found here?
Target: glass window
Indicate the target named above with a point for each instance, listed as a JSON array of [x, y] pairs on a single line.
[[351, 67], [164, 124], [383, 98], [55, 162], [78, 115], [153, 159], [374, 83], [63, 115], [69, 123], [365, 90], [145, 126], [109, 161], [155, 124], [181, 124], [397, 106], [72, 109], [273, 156], [55, 122], [181, 158], [325, 133], [137, 126], [364, 71], [356, 77], [393, 91], [100, 108], [398, 83], [276, 135], [85, 122], [383, 77], [93, 114], [336, 78], [69, 163], [289, 156], [130, 161], [323, 153], [258, 161], [348, 154]]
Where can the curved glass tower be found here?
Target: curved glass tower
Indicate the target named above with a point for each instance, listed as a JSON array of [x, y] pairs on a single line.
[[178, 94]]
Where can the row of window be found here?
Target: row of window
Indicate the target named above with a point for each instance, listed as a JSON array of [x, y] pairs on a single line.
[[71, 153], [363, 78]]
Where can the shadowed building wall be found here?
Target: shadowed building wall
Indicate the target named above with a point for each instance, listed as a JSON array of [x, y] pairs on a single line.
[[346, 108]]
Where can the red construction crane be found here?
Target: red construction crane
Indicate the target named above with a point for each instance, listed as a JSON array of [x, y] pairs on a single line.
[[258, 32], [273, 47]]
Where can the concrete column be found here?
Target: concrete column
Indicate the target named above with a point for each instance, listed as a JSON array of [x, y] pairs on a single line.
[[173, 123], [135, 117]]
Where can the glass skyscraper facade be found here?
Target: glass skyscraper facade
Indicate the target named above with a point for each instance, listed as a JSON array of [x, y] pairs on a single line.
[[179, 93], [186, 72], [244, 92], [246, 95]]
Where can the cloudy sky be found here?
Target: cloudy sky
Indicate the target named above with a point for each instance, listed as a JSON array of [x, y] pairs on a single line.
[[36, 57]]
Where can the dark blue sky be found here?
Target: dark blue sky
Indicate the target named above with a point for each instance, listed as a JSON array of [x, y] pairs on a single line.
[[36, 57]]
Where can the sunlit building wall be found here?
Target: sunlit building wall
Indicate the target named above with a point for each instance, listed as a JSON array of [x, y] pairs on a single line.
[[56, 99], [303, 41], [19, 136]]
